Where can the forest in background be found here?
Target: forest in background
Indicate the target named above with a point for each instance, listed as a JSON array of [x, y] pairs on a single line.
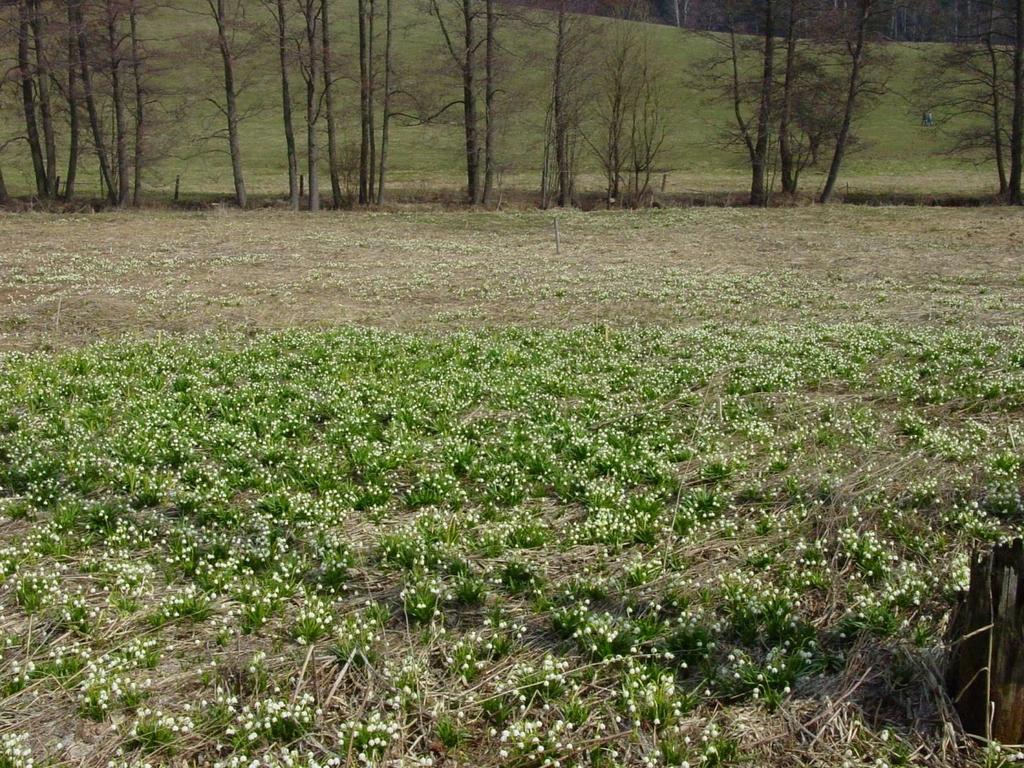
[[912, 20]]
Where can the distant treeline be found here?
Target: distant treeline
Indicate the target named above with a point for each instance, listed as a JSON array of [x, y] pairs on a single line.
[[909, 21], [85, 82]]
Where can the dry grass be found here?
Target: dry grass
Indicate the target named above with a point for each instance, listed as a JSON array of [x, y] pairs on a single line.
[[67, 280]]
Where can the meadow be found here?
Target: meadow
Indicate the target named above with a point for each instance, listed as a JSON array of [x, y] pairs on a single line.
[[413, 489]]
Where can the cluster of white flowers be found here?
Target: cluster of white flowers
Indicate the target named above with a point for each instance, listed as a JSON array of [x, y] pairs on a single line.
[[544, 744], [17, 677], [15, 751], [649, 695], [154, 729], [315, 619], [542, 680], [108, 684], [355, 636], [187, 602], [274, 719], [368, 739], [423, 597], [36, 591]]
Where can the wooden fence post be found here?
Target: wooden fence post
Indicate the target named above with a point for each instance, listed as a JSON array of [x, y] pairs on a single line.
[[177, 187], [986, 671]]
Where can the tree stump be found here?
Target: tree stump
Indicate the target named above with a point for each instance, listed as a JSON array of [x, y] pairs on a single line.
[[986, 670]]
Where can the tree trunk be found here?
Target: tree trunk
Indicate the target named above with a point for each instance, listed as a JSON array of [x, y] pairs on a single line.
[[3, 188], [370, 98], [364, 106], [45, 110], [986, 672], [386, 117], [490, 118], [787, 161], [853, 89], [759, 167], [286, 107], [332, 138], [561, 129], [99, 142], [117, 96], [230, 101], [1017, 127], [28, 99], [73, 108], [469, 108], [737, 93], [312, 112], [140, 104], [997, 106]]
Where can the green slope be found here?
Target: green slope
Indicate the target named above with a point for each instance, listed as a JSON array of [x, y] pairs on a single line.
[[895, 152]]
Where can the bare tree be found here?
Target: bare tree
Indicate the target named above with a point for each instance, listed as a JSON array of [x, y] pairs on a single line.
[[967, 87], [615, 84], [28, 97], [811, 101], [42, 73], [98, 137], [855, 25], [371, 98], [386, 116], [366, 101], [561, 112], [332, 134], [647, 130], [311, 74], [995, 90], [743, 69], [568, 80], [367, 120], [227, 15], [114, 61], [279, 13], [490, 101], [464, 56], [787, 159], [759, 192], [74, 128], [630, 123], [140, 100], [815, 115], [1016, 194]]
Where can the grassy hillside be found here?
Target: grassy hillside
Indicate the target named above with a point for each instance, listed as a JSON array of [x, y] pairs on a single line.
[[896, 152]]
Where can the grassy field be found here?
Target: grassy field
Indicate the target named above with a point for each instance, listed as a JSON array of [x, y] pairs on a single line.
[[895, 154], [412, 489]]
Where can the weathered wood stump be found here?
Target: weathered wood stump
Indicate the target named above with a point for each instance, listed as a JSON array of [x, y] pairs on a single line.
[[986, 671]]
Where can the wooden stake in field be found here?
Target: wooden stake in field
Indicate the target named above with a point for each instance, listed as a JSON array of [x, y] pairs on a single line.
[[986, 672], [558, 239]]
